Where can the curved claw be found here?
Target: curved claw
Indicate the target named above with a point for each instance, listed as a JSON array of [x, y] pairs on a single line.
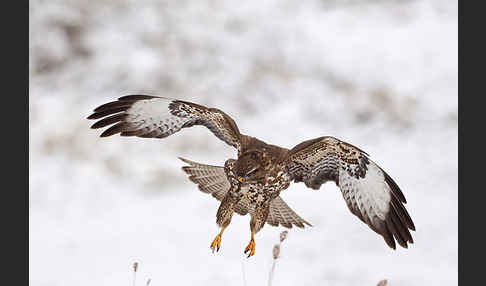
[[250, 248], [216, 243]]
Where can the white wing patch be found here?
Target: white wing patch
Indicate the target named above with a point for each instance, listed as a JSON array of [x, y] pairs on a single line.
[[370, 195], [377, 201], [152, 117]]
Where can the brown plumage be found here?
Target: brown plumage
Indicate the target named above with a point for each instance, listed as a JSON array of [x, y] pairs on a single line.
[[252, 183]]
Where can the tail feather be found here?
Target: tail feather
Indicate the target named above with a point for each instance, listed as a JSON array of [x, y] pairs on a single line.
[[281, 213]]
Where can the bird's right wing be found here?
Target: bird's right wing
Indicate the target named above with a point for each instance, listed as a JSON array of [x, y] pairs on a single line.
[[370, 193], [158, 117]]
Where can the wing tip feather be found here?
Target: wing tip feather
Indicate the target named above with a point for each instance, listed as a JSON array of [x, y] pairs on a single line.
[[135, 97], [186, 161]]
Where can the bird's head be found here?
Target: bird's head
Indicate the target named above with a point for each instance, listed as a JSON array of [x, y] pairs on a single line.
[[249, 167]]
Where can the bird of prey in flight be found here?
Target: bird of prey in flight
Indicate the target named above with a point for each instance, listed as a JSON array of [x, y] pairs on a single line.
[[252, 182]]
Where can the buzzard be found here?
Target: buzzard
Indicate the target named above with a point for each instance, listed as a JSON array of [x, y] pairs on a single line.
[[252, 183]]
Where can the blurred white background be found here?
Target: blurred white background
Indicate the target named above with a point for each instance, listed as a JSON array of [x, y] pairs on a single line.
[[381, 75]]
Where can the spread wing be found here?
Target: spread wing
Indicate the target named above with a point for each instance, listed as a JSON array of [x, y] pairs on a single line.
[[281, 213], [370, 193], [159, 117], [212, 180]]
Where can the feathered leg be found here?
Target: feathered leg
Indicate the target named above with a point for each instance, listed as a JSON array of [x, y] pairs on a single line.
[[223, 218], [258, 218]]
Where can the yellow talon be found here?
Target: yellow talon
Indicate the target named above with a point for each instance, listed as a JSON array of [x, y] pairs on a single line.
[[251, 245], [216, 243], [217, 240]]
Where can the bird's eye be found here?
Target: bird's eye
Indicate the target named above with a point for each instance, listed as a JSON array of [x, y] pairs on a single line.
[[240, 179]]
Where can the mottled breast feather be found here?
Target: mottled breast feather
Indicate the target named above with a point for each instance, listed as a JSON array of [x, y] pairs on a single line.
[[159, 117], [370, 193]]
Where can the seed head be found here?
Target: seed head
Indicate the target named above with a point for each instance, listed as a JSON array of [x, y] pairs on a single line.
[[383, 283], [276, 251]]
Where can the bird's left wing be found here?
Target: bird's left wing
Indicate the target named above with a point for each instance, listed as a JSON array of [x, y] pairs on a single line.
[[158, 117], [370, 193]]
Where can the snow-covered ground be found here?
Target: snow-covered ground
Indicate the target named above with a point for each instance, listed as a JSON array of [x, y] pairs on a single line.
[[381, 75]]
